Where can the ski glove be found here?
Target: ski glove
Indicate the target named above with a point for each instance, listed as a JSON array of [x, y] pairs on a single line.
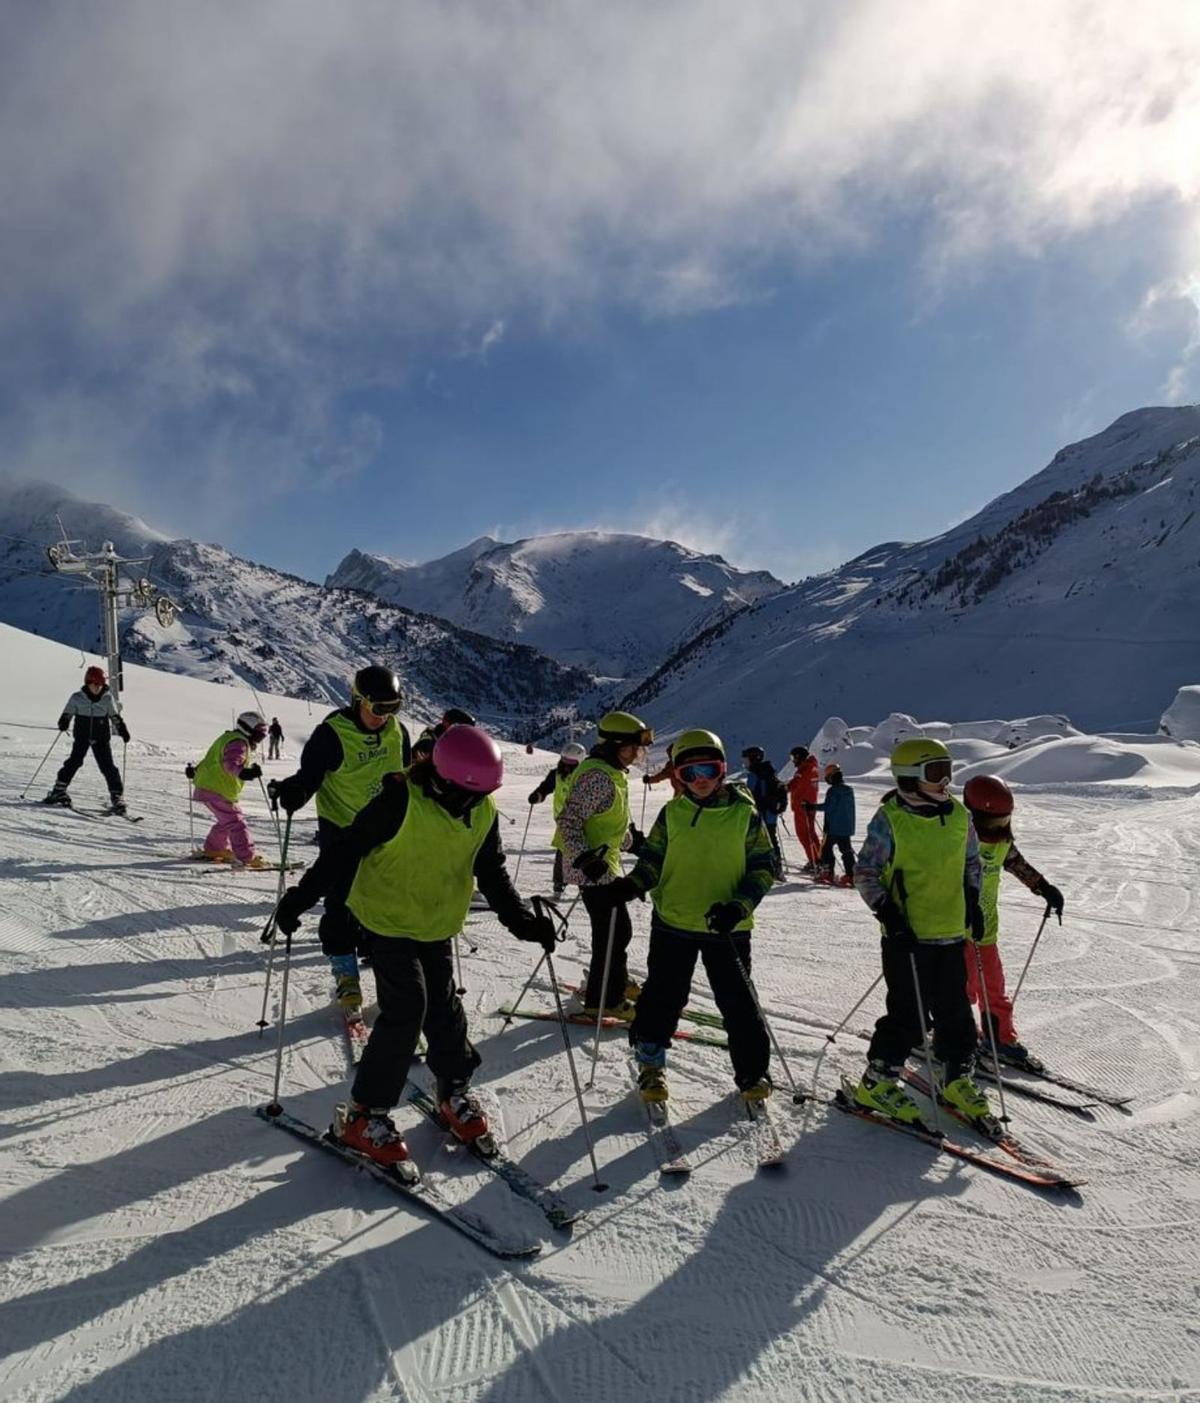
[[1051, 896], [251, 772], [895, 926], [623, 890], [190, 770], [536, 797], [637, 840], [538, 930], [123, 732], [978, 924], [287, 914], [64, 723], [724, 917], [593, 864], [288, 793]]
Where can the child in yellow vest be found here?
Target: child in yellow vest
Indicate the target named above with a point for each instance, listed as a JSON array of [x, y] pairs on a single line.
[[219, 779], [991, 804], [920, 874], [707, 863]]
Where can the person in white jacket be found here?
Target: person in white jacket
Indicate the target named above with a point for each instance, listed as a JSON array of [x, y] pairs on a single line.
[[96, 716]]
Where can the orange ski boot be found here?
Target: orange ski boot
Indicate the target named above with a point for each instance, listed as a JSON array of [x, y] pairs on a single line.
[[370, 1133]]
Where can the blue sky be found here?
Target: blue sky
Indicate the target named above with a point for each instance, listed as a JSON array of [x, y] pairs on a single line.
[[780, 281]]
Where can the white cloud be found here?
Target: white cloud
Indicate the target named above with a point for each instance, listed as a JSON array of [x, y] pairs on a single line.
[[248, 210], [1175, 389]]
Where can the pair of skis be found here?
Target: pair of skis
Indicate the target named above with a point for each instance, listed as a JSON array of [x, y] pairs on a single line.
[[669, 1153]]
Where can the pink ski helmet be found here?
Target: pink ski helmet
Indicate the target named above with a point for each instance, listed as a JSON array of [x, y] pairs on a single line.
[[468, 757]]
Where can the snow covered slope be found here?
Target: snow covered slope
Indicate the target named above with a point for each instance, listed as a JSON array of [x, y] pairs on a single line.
[[240, 620], [159, 1242], [1078, 592], [615, 604]]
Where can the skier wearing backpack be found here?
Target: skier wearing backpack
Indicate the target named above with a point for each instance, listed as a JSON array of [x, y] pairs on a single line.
[[991, 804], [219, 779], [919, 872], [769, 794], [95, 716], [706, 863], [344, 763], [557, 782], [595, 828], [838, 809], [412, 858], [802, 791]]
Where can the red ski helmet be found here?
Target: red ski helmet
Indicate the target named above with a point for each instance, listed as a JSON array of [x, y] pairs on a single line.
[[468, 757], [988, 794], [96, 675]]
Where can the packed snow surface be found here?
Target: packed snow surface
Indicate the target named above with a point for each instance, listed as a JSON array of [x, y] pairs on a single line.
[[158, 1241], [1181, 720]]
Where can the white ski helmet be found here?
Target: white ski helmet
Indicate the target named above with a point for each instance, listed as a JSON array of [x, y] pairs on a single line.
[[252, 725], [574, 752]]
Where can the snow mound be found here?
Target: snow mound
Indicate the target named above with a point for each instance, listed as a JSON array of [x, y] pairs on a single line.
[[1181, 720], [1149, 761]]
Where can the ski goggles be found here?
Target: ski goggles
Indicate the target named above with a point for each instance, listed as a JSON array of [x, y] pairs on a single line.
[[381, 708], [936, 771], [700, 769], [640, 738]]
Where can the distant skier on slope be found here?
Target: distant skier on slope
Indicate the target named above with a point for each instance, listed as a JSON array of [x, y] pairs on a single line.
[[219, 779], [666, 773], [422, 747], [838, 809], [344, 763], [769, 794], [595, 828], [803, 790], [707, 863], [276, 739], [411, 859], [919, 872], [991, 805], [557, 782], [95, 716]]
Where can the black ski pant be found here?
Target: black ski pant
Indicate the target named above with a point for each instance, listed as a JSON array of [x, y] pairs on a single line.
[[670, 966], [606, 915], [414, 982], [102, 750], [943, 980], [771, 824], [338, 931], [843, 846], [559, 883]]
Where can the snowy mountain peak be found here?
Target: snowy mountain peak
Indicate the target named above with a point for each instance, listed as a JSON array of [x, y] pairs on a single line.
[[610, 601]]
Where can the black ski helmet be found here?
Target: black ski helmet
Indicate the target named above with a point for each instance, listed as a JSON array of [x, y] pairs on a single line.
[[378, 686], [456, 716], [799, 753], [754, 753]]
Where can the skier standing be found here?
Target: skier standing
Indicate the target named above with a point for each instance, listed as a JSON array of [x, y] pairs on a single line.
[[666, 773], [802, 790], [991, 805], [276, 739], [594, 826], [422, 747], [557, 783], [219, 778], [707, 863], [95, 716], [411, 859], [920, 874], [344, 763], [838, 808], [769, 795]]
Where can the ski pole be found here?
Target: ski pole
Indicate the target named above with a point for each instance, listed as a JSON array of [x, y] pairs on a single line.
[[274, 811], [797, 1094], [566, 1037], [124, 758], [912, 960], [521, 854], [270, 930], [830, 1038], [645, 793], [559, 916], [275, 1108], [191, 814], [461, 988], [44, 758], [612, 937], [1029, 957], [991, 1027]]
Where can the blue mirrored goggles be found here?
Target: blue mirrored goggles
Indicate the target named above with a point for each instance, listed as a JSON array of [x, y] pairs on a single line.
[[700, 769]]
